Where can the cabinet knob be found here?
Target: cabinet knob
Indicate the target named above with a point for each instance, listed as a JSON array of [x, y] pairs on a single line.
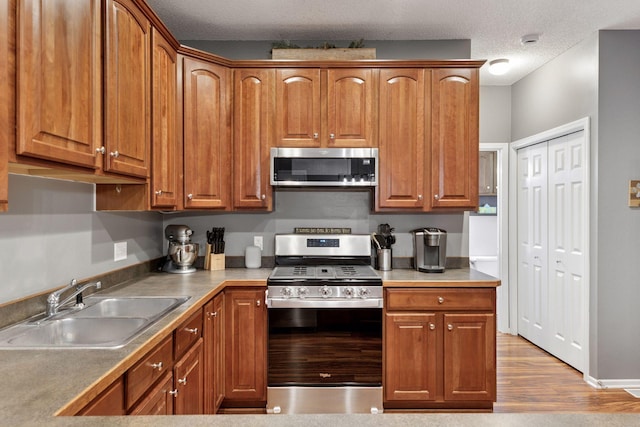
[[190, 196], [159, 193], [432, 326], [191, 331], [436, 196], [100, 150], [332, 136], [157, 366], [419, 196], [212, 314], [257, 303], [440, 300], [114, 154], [173, 393], [450, 327], [182, 381], [315, 135], [263, 197], [488, 187]]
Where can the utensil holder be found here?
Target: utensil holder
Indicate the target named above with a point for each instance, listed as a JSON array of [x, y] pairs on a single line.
[[216, 262], [384, 259]]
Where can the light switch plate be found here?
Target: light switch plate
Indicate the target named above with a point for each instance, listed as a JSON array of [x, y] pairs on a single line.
[[119, 251]]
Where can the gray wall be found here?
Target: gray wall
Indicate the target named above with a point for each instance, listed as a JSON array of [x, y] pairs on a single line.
[[495, 114], [618, 157], [52, 234], [300, 208], [385, 49], [598, 78]]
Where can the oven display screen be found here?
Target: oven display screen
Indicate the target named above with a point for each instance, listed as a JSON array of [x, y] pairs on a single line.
[[323, 243]]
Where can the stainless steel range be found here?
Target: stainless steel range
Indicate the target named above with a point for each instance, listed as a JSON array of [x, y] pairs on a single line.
[[325, 326]]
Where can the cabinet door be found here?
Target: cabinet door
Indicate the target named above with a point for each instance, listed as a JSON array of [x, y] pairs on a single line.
[[7, 94], [60, 85], [245, 345], [207, 143], [109, 402], [298, 108], [188, 373], [454, 138], [351, 110], [402, 139], [410, 356], [159, 400], [469, 357], [253, 136], [487, 173], [127, 89], [213, 336], [166, 161]]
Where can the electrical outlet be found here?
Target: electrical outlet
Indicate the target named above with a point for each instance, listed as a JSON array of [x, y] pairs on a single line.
[[119, 251], [257, 241]]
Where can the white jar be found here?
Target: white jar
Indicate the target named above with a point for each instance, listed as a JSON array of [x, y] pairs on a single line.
[[252, 257]]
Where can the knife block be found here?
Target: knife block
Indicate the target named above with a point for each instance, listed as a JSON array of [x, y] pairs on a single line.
[[213, 261]]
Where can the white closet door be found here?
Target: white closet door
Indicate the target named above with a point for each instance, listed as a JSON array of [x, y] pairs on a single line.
[[532, 244], [567, 197]]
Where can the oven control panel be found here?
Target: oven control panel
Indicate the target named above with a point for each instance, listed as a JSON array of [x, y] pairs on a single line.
[[302, 295]]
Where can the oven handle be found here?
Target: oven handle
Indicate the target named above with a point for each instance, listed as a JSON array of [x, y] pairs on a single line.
[[324, 303]]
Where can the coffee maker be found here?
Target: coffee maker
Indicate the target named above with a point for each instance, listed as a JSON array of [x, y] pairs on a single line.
[[429, 249], [181, 253]]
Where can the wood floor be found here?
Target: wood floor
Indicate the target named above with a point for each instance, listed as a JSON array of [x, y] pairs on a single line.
[[531, 380]]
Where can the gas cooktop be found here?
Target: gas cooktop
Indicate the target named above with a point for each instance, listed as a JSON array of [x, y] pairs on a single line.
[[324, 273]]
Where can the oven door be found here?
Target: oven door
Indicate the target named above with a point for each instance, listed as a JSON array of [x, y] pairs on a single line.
[[324, 360]]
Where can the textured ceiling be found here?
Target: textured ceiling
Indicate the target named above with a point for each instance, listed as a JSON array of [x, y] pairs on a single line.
[[493, 26]]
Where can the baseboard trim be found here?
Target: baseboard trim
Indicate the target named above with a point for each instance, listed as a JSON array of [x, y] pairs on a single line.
[[605, 384]]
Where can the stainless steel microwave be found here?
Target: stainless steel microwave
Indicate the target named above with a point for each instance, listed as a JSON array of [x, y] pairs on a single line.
[[324, 167]]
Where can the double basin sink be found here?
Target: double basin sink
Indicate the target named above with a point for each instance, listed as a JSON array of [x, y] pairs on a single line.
[[104, 322]]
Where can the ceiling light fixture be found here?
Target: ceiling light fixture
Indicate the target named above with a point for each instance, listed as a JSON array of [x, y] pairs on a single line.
[[499, 67]]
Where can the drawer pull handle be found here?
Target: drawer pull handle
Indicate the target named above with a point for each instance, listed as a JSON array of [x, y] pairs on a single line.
[[192, 331], [212, 314], [450, 327], [257, 303], [174, 393], [182, 381], [432, 326], [440, 300], [157, 366]]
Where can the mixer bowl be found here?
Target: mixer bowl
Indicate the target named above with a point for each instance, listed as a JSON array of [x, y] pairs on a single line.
[[183, 255]]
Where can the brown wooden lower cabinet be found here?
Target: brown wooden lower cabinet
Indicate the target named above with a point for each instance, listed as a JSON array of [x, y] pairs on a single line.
[[188, 382], [245, 347], [109, 402], [439, 348], [159, 400], [213, 335]]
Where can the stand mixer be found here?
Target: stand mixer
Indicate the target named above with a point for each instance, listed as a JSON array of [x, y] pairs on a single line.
[[181, 253]]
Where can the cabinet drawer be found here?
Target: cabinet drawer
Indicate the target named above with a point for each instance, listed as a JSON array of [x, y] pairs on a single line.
[[159, 401], [187, 334], [144, 373], [440, 299]]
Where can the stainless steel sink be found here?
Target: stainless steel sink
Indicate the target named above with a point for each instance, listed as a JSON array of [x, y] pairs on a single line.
[[149, 307], [105, 322]]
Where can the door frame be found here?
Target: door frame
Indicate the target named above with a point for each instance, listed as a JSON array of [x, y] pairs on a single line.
[[575, 126], [502, 172]]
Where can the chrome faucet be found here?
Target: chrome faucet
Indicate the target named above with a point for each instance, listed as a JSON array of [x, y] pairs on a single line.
[[53, 300]]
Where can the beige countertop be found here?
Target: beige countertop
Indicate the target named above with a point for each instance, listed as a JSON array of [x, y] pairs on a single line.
[[38, 383]]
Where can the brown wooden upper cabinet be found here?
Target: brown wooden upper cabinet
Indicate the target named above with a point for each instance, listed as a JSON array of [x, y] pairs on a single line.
[[253, 113], [7, 95], [325, 108], [428, 139], [403, 148], [207, 139], [454, 138], [127, 89], [166, 142], [487, 177], [59, 96]]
